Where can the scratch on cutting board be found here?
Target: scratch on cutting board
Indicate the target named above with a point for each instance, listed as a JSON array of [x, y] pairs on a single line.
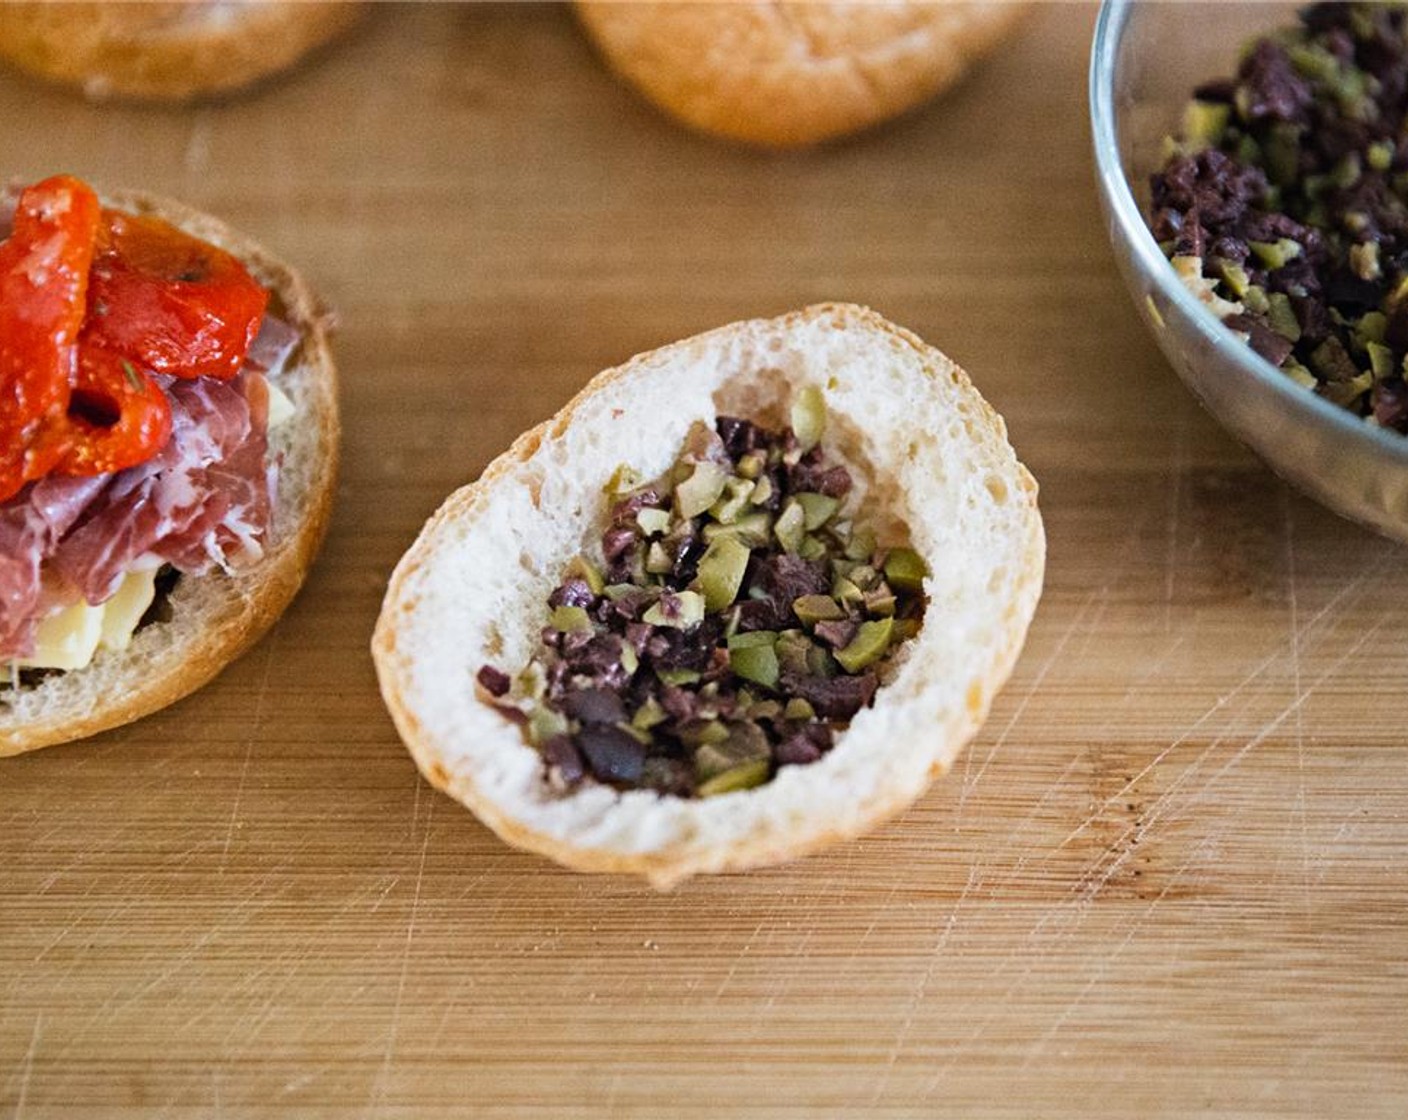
[[1096, 877], [384, 1074], [1082, 893], [917, 995], [1175, 503], [243, 1033], [259, 705], [1279, 652], [1116, 568], [1071, 913], [738, 959], [1104, 962], [1036, 683], [1287, 514], [27, 1065]]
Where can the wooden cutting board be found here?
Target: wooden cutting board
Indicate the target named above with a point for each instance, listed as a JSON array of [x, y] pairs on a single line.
[[1169, 878]]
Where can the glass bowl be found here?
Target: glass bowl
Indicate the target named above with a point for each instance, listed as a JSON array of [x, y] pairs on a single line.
[[1145, 62]]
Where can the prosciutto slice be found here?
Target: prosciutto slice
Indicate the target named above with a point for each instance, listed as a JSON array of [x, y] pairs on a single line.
[[204, 501]]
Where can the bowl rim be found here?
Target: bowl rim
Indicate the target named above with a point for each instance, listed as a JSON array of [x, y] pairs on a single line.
[[1109, 31]]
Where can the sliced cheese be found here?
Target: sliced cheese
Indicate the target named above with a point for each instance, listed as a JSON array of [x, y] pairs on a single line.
[[281, 408], [69, 638], [124, 610]]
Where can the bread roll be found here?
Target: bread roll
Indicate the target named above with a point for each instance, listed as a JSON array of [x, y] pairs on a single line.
[[216, 617], [166, 51], [923, 448], [787, 75]]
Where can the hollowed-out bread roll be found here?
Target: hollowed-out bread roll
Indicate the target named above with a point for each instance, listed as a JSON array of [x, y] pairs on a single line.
[[926, 453]]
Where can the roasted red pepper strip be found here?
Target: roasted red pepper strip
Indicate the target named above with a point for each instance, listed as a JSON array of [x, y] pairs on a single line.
[[43, 280], [118, 416], [171, 303]]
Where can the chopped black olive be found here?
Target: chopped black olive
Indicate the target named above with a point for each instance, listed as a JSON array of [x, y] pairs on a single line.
[[735, 625]]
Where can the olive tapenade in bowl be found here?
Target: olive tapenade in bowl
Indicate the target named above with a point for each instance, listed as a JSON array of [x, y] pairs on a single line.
[[744, 596], [1253, 173]]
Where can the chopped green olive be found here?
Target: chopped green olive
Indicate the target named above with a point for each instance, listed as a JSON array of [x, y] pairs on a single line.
[[809, 417], [1282, 316], [653, 522], [861, 545], [1380, 360], [791, 527], [812, 609], [1236, 278], [880, 600], [649, 714], [733, 501], [703, 733], [817, 509], [751, 465], [799, 709], [864, 576], [657, 560], [570, 620], [1276, 254], [544, 724], [721, 570], [679, 610], [744, 742], [847, 592], [752, 531], [1204, 122], [700, 490], [1371, 327], [905, 570], [868, 646], [622, 481], [756, 662], [745, 776]]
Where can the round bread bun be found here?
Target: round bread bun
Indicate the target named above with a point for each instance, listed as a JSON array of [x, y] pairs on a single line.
[[787, 75], [164, 51], [215, 617], [927, 456]]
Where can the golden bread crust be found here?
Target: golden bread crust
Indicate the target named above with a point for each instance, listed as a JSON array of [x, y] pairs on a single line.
[[788, 75], [166, 51]]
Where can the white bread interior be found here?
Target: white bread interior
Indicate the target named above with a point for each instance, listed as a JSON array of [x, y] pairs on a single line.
[[217, 616], [926, 451]]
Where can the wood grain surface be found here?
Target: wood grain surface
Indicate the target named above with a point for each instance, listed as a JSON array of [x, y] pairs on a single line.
[[1169, 878]]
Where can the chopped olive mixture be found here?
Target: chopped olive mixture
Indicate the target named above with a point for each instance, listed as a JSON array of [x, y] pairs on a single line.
[[734, 623], [1283, 203]]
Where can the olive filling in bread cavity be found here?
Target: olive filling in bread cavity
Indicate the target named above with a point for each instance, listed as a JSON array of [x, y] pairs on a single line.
[[736, 619]]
